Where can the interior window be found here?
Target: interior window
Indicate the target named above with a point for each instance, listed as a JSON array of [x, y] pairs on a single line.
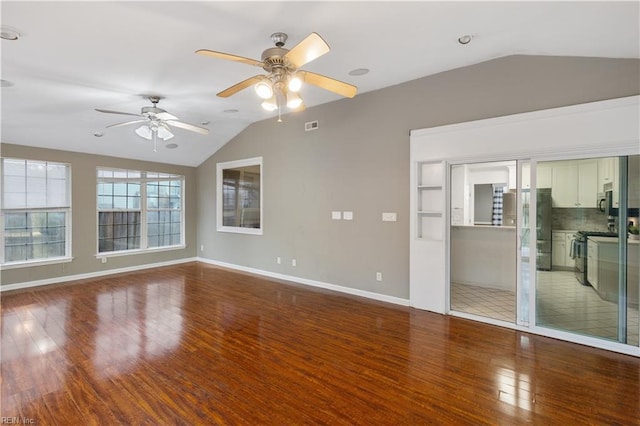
[[240, 196]]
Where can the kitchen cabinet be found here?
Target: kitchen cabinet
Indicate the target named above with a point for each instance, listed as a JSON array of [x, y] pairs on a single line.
[[544, 176], [609, 175], [558, 249], [575, 184], [568, 238], [602, 268], [561, 242], [608, 172]]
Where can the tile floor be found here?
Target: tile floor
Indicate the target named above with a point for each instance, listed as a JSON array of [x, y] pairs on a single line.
[[562, 303], [485, 302]]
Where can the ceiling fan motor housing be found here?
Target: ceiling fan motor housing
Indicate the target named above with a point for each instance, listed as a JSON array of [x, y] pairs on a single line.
[[274, 58]]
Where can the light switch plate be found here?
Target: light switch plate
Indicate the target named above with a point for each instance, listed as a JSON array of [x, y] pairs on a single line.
[[336, 215], [389, 217], [347, 215]]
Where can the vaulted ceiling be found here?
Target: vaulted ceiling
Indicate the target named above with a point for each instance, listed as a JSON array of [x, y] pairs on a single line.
[[73, 57]]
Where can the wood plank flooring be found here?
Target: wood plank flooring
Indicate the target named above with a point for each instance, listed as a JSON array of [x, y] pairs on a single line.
[[195, 344]]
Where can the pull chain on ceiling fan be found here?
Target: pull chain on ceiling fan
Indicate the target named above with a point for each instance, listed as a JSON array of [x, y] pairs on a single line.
[[156, 123], [284, 81]]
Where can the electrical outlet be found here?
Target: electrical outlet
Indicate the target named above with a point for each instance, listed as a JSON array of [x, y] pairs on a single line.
[[103, 260], [201, 247], [279, 260], [293, 262], [347, 215], [378, 276]]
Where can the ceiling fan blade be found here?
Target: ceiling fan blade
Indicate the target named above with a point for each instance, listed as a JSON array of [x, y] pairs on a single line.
[[238, 87], [345, 89], [230, 57], [166, 116], [118, 112], [187, 126], [307, 50], [126, 123]]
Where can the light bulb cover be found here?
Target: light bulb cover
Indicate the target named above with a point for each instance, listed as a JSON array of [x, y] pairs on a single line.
[[144, 132], [270, 104], [164, 133], [293, 100], [295, 84], [264, 89]]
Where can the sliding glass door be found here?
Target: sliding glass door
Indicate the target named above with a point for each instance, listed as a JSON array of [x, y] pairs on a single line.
[[574, 233], [591, 286]]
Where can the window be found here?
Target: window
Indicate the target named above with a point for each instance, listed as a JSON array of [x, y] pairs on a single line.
[[36, 211], [239, 195], [139, 210]]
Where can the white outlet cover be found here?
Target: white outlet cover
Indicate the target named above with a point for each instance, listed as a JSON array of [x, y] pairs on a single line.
[[336, 215], [347, 215], [389, 217]]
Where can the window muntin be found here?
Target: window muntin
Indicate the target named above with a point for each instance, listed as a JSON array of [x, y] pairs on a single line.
[[36, 211], [139, 210]]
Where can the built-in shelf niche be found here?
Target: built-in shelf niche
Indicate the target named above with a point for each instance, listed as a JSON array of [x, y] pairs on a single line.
[[430, 201]]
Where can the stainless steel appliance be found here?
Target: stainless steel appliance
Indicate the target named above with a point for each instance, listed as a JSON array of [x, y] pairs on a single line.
[[543, 229], [579, 252]]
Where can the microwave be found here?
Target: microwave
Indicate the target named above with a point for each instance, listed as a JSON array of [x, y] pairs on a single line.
[[605, 204]]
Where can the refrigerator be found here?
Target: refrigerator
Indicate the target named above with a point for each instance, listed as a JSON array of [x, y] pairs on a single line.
[[543, 229]]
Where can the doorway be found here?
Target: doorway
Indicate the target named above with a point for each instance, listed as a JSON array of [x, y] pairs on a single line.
[[483, 239]]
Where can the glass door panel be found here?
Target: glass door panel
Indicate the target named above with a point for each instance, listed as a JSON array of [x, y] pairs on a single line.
[[591, 286]]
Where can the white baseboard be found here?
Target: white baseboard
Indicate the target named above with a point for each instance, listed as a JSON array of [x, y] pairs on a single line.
[[313, 283], [298, 280], [62, 279]]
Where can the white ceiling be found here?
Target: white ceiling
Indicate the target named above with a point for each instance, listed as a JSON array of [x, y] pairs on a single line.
[[73, 57]]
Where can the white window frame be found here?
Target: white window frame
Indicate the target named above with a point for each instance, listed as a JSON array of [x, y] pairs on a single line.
[[67, 210], [143, 180], [220, 167]]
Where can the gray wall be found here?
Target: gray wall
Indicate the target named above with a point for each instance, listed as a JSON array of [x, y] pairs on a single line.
[[358, 160], [84, 227]]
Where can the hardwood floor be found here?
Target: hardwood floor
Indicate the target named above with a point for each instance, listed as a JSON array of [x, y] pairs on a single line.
[[196, 344]]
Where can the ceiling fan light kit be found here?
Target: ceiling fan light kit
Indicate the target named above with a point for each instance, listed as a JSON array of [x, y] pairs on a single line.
[[270, 104], [284, 80], [293, 100], [264, 89], [295, 84]]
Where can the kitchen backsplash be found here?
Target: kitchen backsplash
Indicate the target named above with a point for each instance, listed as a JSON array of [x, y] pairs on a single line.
[[578, 219]]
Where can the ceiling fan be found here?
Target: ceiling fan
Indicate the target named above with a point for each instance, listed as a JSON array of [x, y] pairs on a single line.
[[284, 79], [156, 122]]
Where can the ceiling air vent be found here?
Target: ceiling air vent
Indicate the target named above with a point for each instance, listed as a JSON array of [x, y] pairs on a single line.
[[310, 125]]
